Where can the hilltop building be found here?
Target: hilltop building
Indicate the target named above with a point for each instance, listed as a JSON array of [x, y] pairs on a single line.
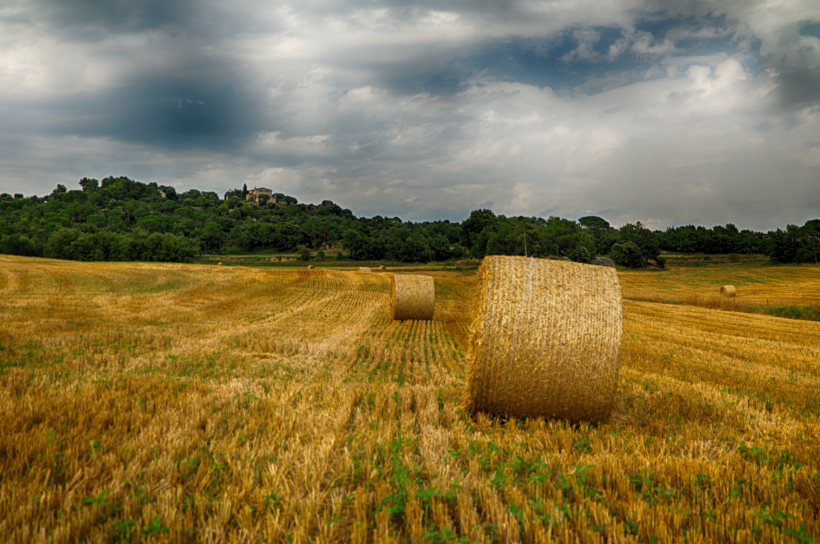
[[254, 194]]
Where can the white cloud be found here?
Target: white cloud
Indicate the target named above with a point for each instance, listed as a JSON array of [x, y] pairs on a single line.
[[586, 41]]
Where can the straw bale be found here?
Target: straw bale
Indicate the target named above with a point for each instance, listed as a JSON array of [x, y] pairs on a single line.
[[382, 267], [364, 269], [310, 267], [218, 264], [545, 339], [412, 297], [728, 291]]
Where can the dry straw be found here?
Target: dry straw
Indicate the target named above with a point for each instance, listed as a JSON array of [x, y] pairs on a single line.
[[546, 338], [382, 267], [310, 267], [364, 269], [412, 297], [728, 291]]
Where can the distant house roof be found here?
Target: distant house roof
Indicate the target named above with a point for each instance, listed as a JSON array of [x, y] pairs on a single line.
[[263, 189]]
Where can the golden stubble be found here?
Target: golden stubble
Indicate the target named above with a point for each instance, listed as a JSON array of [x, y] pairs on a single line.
[[754, 285], [226, 404]]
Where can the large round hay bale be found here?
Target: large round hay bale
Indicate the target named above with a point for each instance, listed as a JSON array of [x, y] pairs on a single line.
[[546, 338], [728, 291], [310, 267], [382, 267], [364, 269], [412, 297]]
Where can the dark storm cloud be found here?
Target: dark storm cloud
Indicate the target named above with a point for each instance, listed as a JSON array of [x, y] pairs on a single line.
[[178, 90], [799, 88], [195, 102], [114, 16], [204, 103]]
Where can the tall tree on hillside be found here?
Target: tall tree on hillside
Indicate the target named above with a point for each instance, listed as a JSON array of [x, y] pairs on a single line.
[[645, 239], [594, 224], [809, 241], [89, 185], [782, 246], [472, 228]]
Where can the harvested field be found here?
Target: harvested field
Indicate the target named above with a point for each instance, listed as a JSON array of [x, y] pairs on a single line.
[[798, 285], [184, 403]]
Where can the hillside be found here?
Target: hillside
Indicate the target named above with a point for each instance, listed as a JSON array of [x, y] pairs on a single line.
[[119, 219]]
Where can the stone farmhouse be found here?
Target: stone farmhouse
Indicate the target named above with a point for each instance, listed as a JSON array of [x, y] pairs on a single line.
[[254, 194]]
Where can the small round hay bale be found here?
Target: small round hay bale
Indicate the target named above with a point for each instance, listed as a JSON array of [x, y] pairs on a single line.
[[310, 267], [382, 267], [546, 339], [364, 269], [728, 291], [218, 264], [412, 297]]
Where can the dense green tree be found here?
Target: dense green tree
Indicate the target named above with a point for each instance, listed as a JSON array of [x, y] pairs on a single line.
[[303, 252], [17, 244], [628, 254], [170, 192], [476, 231], [361, 247], [726, 239], [156, 222], [809, 241], [413, 249], [643, 238], [59, 243], [594, 224], [782, 246], [89, 185], [212, 237]]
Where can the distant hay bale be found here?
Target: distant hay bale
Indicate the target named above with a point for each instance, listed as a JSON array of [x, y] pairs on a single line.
[[310, 267], [382, 267], [218, 264], [728, 291], [364, 269], [546, 338], [412, 297]]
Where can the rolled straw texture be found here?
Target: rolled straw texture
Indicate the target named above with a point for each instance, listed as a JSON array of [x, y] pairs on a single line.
[[310, 267], [382, 267], [546, 338], [728, 291], [364, 269], [412, 297]]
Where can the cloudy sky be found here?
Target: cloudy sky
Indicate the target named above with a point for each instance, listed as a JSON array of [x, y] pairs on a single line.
[[668, 112]]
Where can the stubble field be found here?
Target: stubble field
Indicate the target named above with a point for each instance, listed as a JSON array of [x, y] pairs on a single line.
[[173, 403], [756, 285]]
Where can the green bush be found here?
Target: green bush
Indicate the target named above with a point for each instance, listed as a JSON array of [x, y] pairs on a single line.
[[627, 254], [304, 253]]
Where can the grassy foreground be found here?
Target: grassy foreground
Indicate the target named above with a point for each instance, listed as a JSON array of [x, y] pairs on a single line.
[[172, 403]]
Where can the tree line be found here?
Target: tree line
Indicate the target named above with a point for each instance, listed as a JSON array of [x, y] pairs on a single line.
[[119, 219]]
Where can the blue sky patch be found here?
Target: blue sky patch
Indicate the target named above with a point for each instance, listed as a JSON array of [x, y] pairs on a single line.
[[578, 59]]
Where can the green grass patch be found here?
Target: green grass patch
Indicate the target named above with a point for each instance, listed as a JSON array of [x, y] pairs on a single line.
[[790, 312]]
